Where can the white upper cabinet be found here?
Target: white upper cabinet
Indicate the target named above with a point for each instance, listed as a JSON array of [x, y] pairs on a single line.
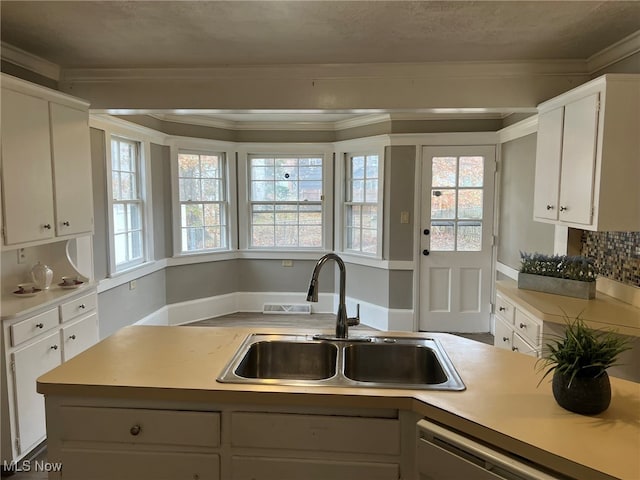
[[46, 165], [588, 156]]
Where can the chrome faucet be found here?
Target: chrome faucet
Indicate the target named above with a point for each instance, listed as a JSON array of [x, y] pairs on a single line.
[[342, 322]]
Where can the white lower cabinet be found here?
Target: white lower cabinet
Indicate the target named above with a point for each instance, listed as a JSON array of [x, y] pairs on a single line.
[[516, 330], [125, 439], [31, 346]]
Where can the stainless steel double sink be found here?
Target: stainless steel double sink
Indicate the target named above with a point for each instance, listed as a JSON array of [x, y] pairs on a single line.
[[377, 361]]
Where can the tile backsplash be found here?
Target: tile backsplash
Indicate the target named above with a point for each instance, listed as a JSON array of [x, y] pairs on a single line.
[[616, 254]]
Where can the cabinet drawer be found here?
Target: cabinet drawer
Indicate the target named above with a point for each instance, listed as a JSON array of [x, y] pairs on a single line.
[[133, 465], [504, 335], [504, 309], [33, 326], [315, 433], [263, 468], [528, 328], [522, 346], [76, 307], [79, 336], [140, 426]]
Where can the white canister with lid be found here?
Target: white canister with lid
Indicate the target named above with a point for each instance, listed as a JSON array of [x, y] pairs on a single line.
[[41, 276]]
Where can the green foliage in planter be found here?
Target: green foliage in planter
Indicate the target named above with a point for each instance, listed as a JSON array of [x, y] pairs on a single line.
[[559, 266], [581, 351]]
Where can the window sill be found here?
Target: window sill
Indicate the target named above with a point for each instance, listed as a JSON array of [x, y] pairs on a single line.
[[120, 278]]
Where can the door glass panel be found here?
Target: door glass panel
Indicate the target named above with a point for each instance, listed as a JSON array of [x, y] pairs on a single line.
[[471, 172], [443, 204], [470, 204], [469, 237], [443, 236], [444, 171]]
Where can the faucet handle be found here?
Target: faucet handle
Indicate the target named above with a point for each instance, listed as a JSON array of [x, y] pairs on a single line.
[[353, 321]]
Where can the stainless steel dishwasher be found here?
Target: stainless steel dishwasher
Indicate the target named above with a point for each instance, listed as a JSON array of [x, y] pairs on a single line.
[[445, 455]]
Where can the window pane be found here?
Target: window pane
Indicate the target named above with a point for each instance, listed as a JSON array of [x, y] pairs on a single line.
[[286, 191], [311, 191], [126, 157], [127, 186], [471, 171], [135, 216], [211, 190], [135, 245], [210, 166], [212, 238], [262, 191], [357, 193], [369, 240], [212, 214], [265, 162], [470, 204], [188, 165], [115, 155], [372, 166], [353, 238], [310, 173], [120, 248], [192, 215], [286, 236], [310, 218], [119, 218], [286, 215], [193, 239], [286, 171], [442, 236], [357, 167], [369, 217], [371, 187], [469, 237], [263, 236], [262, 173], [443, 171], [311, 236], [443, 204], [189, 190], [115, 186]]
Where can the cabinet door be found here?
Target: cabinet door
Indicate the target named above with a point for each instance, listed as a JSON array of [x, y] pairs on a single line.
[[29, 363], [78, 337], [548, 154], [26, 169], [578, 160], [504, 335], [71, 170], [522, 346]]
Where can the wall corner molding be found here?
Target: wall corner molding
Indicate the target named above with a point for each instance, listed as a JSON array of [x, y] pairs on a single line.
[[518, 130], [29, 61], [614, 53]]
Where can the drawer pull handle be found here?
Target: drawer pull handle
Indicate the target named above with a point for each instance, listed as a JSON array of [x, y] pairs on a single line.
[[563, 209], [523, 325], [81, 306], [66, 224], [54, 347], [47, 226], [514, 349], [39, 325], [502, 309], [135, 430], [72, 337], [505, 339]]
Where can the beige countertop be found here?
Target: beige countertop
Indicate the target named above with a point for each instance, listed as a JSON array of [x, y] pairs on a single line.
[[601, 312], [501, 405]]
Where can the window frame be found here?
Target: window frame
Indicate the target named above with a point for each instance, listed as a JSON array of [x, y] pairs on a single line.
[[344, 152], [230, 173], [145, 194], [246, 152]]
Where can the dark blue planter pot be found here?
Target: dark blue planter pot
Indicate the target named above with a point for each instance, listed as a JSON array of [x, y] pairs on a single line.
[[586, 395]]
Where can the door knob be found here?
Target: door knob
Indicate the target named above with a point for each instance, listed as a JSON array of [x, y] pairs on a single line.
[[425, 252]]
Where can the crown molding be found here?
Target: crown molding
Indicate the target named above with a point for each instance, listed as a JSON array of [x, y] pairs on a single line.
[[118, 125], [614, 53], [29, 61], [517, 130]]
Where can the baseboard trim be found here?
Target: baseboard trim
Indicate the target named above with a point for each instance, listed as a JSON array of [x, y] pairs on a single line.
[[375, 316]]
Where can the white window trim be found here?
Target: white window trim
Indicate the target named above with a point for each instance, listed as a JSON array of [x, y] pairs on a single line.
[[374, 146], [145, 192], [325, 150], [177, 144]]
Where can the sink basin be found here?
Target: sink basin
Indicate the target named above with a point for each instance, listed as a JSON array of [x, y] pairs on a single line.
[[416, 363], [289, 360], [392, 363]]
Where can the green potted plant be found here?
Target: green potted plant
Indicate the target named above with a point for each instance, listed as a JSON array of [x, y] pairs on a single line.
[[579, 360], [573, 276]]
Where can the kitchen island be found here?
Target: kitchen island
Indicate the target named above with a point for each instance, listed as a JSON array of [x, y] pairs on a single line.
[[156, 371]]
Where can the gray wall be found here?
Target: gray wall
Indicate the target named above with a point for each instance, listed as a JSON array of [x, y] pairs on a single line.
[[161, 195], [399, 175], [387, 288], [517, 230], [100, 219]]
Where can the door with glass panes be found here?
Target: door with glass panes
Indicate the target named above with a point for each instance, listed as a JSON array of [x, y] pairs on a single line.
[[456, 238]]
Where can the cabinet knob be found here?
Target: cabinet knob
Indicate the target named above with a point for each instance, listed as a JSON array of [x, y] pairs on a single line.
[[47, 226], [549, 207], [72, 337], [135, 430], [81, 306], [66, 224], [502, 309], [563, 209], [425, 252], [514, 349], [54, 347], [39, 325], [505, 339], [523, 325]]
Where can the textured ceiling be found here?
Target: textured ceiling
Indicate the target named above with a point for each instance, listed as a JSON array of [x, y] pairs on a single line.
[[217, 33]]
